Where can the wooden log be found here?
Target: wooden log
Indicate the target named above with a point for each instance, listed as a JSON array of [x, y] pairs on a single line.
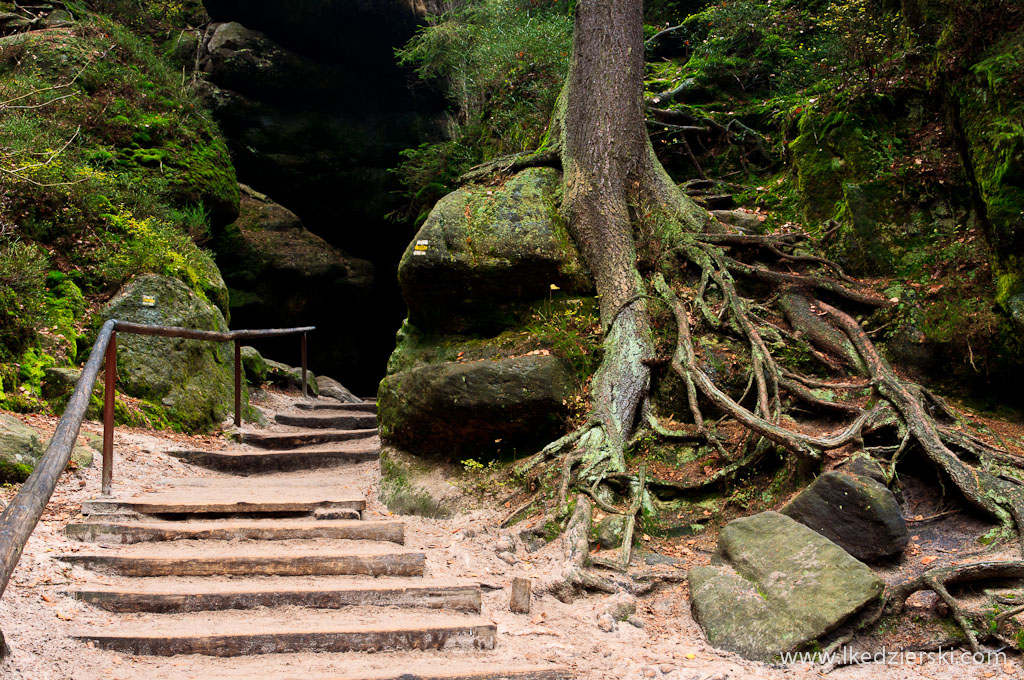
[[522, 592]]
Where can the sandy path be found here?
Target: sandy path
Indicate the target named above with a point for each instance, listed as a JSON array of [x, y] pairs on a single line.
[[38, 621]]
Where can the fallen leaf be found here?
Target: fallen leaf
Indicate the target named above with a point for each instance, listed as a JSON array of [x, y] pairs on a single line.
[[928, 559]]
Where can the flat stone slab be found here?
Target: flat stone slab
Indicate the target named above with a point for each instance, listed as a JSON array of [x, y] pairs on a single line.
[[209, 563], [444, 633], [260, 530], [195, 597], [855, 512], [776, 585], [294, 440], [328, 420]]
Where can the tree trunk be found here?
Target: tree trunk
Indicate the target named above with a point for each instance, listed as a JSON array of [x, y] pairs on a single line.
[[612, 178]]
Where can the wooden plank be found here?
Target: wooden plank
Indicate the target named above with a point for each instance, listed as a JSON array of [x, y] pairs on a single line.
[[259, 530], [279, 461], [453, 598], [380, 564], [470, 635], [522, 592], [539, 673], [344, 421], [292, 440], [168, 504]]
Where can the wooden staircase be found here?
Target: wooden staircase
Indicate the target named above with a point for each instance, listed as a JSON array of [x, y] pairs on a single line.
[[261, 562]]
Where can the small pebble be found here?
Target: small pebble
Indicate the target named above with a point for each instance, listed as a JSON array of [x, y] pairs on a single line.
[[507, 557], [606, 623]]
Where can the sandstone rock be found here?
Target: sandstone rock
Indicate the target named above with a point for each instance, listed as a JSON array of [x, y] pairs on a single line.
[[857, 513], [482, 248], [254, 366], [864, 465], [192, 379], [610, 531], [243, 60], [329, 387], [775, 585], [59, 383], [282, 275], [20, 449], [290, 376], [453, 408], [606, 623], [621, 606]]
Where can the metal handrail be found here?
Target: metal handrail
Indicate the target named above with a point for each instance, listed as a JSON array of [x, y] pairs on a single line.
[[22, 515]]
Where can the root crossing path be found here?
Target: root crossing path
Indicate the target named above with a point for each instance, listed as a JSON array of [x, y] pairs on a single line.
[[263, 564]]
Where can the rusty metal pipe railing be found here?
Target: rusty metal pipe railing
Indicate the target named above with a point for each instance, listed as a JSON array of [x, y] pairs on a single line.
[[22, 515]]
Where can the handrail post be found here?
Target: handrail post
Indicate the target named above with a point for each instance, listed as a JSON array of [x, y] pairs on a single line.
[[238, 382], [110, 377], [304, 392]]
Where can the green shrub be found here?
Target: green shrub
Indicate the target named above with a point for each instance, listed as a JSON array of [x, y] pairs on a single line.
[[502, 64]]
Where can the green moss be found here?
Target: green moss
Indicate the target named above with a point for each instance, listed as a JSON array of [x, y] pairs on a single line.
[[400, 495], [13, 473]]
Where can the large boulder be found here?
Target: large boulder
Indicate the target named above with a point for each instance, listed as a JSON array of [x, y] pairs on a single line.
[[454, 409], [775, 586], [483, 248], [857, 513], [280, 274], [329, 387], [192, 379], [20, 449], [244, 60]]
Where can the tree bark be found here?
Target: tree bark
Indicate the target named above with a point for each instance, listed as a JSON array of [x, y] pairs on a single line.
[[612, 179]]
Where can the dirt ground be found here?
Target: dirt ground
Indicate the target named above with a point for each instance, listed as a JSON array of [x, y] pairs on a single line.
[[38, 620]]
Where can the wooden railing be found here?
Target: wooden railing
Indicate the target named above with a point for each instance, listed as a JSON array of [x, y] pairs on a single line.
[[20, 517]]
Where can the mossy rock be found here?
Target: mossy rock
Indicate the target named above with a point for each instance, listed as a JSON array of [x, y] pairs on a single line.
[[20, 449], [485, 248], [774, 586], [255, 366], [192, 379], [475, 409]]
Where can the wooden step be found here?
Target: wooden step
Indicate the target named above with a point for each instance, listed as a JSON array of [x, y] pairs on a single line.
[[179, 597], [294, 440], [523, 673], [502, 663], [167, 640], [350, 407], [261, 530], [168, 503], [209, 563], [284, 460], [328, 420]]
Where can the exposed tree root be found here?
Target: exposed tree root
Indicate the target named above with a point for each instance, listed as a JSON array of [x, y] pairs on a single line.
[[623, 209], [938, 580], [576, 540]]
